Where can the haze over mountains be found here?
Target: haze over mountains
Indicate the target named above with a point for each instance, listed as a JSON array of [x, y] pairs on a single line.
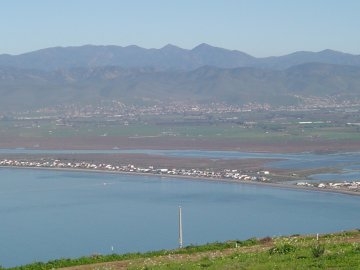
[[168, 57], [203, 74]]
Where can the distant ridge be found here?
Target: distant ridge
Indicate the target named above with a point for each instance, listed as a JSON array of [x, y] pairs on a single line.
[[169, 57]]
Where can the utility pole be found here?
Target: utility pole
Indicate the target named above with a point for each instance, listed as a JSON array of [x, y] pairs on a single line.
[[180, 229]]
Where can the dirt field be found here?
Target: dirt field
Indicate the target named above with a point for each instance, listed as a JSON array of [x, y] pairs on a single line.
[[103, 143]]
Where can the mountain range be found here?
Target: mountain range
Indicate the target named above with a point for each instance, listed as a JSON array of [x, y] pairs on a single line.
[[169, 57], [131, 74]]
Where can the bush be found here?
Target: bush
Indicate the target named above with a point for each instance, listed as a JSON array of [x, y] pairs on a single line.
[[356, 247], [318, 250], [282, 249], [248, 242]]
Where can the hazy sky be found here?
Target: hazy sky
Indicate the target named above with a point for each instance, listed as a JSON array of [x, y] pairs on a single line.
[[257, 27]]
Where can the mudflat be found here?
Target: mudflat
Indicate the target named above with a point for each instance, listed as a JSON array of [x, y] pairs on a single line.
[[251, 166]]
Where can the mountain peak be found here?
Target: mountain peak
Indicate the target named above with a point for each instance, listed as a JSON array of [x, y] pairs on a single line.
[[330, 52], [134, 47], [203, 46], [170, 47]]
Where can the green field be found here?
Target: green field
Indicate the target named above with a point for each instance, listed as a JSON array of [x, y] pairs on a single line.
[[255, 132]]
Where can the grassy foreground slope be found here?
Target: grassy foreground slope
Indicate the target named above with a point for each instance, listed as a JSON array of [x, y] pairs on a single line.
[[330, 251]]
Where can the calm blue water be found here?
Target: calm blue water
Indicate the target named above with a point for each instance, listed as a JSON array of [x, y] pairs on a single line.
[[52, 214]]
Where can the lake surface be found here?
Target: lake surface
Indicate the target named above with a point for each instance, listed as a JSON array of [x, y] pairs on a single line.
[[48, 214]]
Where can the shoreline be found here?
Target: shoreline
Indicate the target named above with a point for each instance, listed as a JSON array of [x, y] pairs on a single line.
[[194, 178]]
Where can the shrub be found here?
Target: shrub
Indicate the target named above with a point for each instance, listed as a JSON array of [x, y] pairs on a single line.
[[356, 247], [282, 249], [317, 250], [249, 242]]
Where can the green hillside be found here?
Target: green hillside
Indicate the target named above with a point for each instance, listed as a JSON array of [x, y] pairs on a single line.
[[26, 89], [329, 251]]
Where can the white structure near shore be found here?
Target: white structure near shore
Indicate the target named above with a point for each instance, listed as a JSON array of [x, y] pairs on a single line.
[[130, 168]]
